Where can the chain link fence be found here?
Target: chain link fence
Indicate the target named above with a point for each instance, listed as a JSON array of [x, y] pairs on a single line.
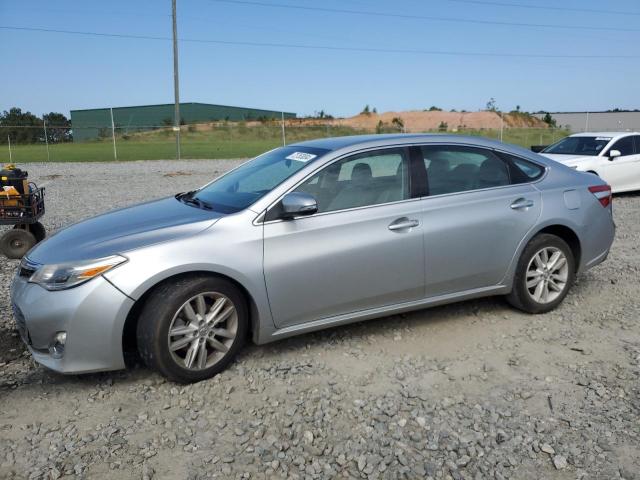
[[218, 140]]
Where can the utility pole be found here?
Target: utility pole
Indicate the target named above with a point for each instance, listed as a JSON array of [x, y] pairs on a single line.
[[586, 124], [46, 138], [284, 139], [113, 135], [176, 86], [9, 141]]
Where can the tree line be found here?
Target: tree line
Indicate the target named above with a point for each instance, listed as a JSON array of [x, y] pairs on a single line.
[[25, 127]]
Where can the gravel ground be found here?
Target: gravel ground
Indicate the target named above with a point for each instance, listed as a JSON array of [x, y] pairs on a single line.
[[468, 391]]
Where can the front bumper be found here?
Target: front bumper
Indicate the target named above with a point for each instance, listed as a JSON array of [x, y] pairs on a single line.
[[92, 314]]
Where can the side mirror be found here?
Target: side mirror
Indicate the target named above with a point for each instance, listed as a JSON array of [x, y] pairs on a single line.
[[614, 153], [297, 204], [538, 148]]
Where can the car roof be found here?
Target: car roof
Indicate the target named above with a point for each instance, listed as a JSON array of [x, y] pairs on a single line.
[[604, 134], [353, 141]]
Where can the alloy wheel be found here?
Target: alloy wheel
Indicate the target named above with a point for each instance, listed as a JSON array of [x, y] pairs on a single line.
[[547, 275], [203, 330]]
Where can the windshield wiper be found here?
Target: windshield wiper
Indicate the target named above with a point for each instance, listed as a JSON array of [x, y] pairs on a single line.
[[188, 198]]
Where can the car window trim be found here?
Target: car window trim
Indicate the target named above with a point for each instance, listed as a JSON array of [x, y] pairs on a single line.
[[259, 220], [545, 168], [613, 143]]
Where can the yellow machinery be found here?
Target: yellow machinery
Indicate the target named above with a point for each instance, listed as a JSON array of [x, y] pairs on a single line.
[[21, 206]]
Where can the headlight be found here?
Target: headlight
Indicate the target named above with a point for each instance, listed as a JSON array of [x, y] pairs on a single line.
[[68, 275]]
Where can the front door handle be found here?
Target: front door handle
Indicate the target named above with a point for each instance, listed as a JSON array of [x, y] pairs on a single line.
[[521, 203], [403, 223]]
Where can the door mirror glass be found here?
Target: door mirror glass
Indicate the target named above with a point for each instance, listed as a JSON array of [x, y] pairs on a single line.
[[296, 204], [614, 153]]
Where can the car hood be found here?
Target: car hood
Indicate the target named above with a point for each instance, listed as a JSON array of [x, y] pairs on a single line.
[[567, 159], [123, 230]]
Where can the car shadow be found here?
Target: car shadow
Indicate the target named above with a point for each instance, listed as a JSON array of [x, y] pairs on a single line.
[[136, 371], [385, 326], [635, 194]]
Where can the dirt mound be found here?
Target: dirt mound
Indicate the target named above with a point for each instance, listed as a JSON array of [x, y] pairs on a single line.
[[419, 121]]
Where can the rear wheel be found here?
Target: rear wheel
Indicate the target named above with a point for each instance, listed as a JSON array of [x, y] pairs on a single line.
[[544, 275], [16, 243], [191, 329]]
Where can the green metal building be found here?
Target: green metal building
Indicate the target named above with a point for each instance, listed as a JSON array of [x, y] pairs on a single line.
[[95, 123]]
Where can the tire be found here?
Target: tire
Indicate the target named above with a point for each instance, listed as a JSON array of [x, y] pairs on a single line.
[[168, 308], [16, 243], [561, 275]]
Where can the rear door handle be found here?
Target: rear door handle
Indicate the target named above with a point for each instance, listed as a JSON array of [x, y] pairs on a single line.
[[521, 203], [403, 223]]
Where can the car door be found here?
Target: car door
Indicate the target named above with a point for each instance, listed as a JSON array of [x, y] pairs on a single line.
[[362, 250], [479, 207], [623, 172]]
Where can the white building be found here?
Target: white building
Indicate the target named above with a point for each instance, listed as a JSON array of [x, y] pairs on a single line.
[[597, 121]]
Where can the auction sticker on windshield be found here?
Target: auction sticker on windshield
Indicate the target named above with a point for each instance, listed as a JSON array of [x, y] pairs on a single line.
[[301, 156]]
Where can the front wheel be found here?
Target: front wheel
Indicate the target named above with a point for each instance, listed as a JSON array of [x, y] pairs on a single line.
[[191, 329], [544, 275]]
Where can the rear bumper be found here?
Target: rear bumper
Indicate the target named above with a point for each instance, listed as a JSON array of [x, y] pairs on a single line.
[[92, 315], [602, 232], [597, 260]]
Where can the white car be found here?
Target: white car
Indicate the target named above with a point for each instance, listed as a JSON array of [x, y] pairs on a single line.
[[613, 156]]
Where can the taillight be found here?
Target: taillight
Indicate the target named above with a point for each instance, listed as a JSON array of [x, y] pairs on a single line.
[[602, 193]]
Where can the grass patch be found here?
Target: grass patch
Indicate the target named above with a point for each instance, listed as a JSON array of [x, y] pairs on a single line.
[[224, 141]]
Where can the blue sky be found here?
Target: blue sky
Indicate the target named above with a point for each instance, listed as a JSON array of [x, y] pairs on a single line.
[[45, 72]]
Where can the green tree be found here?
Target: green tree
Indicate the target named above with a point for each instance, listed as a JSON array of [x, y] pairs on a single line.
[[398, 123], [366, 110], [491, 105], [433, 108], [21, 126], [58, 127], [549, 120]]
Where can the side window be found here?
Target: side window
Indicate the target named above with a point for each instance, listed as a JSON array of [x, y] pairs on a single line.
[[625, 145], [637, 140], [521, 170], [369, 178], [453, 168]]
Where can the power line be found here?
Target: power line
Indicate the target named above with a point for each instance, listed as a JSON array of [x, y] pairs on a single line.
[[74, 32], [320, 47], [425, 17], [539, 7]]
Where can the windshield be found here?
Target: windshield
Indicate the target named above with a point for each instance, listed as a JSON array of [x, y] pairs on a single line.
[[251, 181], [578, 146]]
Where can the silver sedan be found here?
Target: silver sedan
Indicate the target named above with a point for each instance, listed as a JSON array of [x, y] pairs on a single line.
[[306, 237]]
